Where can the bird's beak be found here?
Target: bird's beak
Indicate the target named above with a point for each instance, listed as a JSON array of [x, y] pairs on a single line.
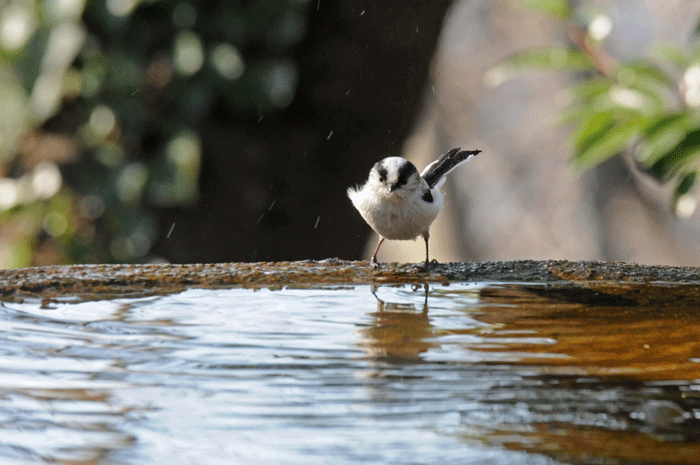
[[393, 187]]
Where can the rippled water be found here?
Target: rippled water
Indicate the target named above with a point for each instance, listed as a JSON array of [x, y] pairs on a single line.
[[458, 374]]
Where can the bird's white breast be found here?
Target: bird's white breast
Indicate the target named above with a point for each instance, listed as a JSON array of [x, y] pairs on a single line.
[[396, 218]]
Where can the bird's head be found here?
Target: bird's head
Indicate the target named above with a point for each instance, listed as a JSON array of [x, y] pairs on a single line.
[[394, 177]]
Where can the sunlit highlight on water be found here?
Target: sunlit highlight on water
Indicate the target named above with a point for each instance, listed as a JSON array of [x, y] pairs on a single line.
[[432, 375]]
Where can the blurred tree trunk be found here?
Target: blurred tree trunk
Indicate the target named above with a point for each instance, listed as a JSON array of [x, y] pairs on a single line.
[[274, 188]]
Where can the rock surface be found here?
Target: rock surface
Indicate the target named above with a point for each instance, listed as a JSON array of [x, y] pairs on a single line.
[[626, 284]]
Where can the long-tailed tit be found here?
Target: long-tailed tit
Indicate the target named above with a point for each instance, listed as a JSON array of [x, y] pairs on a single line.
[[400, 204]]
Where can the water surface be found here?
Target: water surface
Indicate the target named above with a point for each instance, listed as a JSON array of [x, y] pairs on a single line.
[[458, 374]]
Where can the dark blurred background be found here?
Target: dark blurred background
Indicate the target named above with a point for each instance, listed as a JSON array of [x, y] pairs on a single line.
[[201, 131], [182, 131]]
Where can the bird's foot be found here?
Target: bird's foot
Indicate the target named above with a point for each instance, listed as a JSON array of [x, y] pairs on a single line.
[[427, 265], [373, 265]]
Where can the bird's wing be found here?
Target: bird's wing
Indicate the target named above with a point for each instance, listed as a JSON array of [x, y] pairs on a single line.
[[434, 174]]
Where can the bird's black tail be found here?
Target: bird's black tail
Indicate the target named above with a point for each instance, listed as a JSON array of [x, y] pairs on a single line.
[[438, 169]]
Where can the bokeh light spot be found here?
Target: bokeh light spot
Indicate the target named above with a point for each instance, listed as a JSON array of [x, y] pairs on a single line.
[[184, 149], [183, 153], [102, 120], [55, 224], [9, 193], [626, 76], [17, 25], [600, 27], [691, 79], [65, 8], [494, 77], [227, 61], [188, 53], [686, 206], [626, 97], [46, 95], [92, 206], [118, 249], [46, 180], [121, 8], [65, 41], [281, 84], [131, 181], [137, 245]]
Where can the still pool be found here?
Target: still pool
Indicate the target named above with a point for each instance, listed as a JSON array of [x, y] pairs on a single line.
[[445, 374]]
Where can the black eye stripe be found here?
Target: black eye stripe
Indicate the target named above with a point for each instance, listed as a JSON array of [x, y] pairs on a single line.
[[381, 171], [405, 172]]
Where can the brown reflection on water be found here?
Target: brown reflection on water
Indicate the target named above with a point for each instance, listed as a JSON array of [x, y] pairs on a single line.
[[642, 342], [608, 380], [590, 445], [400, 331], [617, 344]]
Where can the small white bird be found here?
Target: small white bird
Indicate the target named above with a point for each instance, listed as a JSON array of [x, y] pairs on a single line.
[[400, 204]]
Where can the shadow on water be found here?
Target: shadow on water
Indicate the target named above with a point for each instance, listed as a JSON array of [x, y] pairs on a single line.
[[447, 374]]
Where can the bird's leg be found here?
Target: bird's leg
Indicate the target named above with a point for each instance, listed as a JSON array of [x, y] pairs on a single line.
[[428, 263], [373, 261], [426, 235]]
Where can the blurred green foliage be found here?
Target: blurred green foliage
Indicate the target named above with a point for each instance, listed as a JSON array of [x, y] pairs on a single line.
[[101, 107], [650, 107]]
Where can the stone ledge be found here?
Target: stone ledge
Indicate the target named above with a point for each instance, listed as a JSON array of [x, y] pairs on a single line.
[[610, 278]]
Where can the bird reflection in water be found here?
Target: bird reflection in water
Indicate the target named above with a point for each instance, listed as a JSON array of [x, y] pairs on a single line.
[[400, 331]]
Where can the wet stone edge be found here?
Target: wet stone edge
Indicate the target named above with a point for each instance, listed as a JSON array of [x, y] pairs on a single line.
[[641, 282]]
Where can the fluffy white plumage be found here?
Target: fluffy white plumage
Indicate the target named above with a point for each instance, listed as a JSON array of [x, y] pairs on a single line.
[[400, 204], [399, 214]]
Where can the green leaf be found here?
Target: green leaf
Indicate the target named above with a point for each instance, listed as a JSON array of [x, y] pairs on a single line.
[[620, 102], [580, 115], [673, 55], [586, 91], [631, 101], [648, 80], [685, 185], [558, 8], [592, 128], [683, 154], [638, 70], [657, 98], [694, 57], [556, 58], [663, 135], [608, 142]]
